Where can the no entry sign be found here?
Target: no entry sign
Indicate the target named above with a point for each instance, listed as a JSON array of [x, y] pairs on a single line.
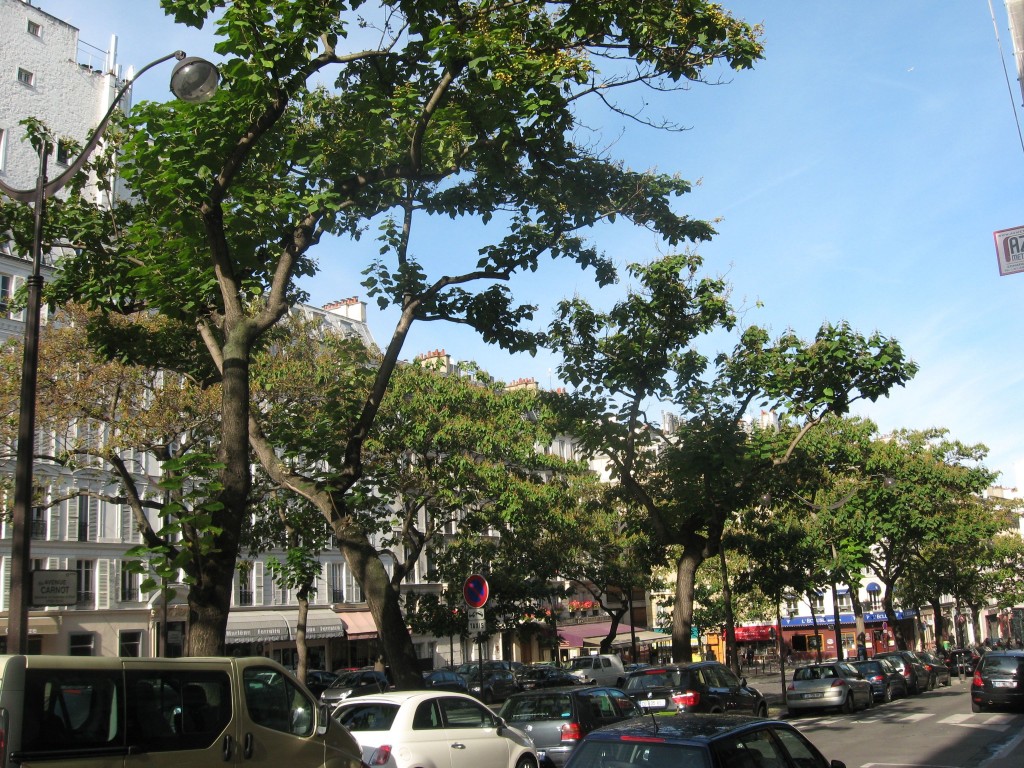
[[476, 591]]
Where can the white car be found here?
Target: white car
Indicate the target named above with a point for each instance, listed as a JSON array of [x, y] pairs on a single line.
[[433, 729]]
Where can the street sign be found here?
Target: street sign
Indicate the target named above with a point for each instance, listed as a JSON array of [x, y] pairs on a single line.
[[477, 622], [476, 591], [54, 587]]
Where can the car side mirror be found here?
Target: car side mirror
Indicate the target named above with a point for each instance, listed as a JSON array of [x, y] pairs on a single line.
[[743, 682], [323, 720], [837, 764]]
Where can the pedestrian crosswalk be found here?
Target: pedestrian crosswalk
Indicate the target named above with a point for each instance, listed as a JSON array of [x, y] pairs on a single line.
[[989, 721]]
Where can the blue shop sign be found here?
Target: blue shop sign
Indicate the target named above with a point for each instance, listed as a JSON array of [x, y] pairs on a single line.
[[871, 617]]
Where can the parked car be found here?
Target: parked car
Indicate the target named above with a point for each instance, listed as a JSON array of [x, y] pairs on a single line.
[[445, 680], [910, 667], [886, 681], [409, 729], [961, 661], [599, 669], [497, 685], [318, 680], [836, 684], [938, 672], [636, 666], [515, 667], [163, 713], [704, 686], [683, 740], [357, 683], [998, 681], [557, 718], [545, 677]]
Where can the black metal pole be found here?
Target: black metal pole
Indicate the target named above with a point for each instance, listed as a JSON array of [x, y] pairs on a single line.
[[21, 542]]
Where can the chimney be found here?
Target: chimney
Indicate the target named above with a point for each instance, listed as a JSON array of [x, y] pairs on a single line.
[[352, 308]]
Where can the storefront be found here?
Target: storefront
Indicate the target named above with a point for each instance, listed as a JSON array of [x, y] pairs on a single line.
[[804, 637], [271, 633]]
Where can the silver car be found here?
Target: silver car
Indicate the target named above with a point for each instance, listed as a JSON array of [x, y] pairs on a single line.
[[834, 684]]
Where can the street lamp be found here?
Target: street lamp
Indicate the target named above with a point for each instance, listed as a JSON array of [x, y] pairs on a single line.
[[193, 80]]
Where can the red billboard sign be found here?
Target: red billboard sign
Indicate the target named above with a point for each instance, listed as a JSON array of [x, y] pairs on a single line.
[[763, 632]]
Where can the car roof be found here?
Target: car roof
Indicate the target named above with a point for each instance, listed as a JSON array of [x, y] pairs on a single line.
[[686, 727], [559, 689], [1006, 652], [672, 667], [401, 697]]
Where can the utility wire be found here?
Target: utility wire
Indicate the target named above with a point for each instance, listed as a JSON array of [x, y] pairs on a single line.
[[1006, 74]]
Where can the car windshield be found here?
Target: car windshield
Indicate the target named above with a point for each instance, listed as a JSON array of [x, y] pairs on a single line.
[[642, 754], [367, 716], [554, 706], [347, 680], [654, 678]]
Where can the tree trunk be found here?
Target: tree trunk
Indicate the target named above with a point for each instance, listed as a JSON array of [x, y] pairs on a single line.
[[732, 656], [890, 616], [613, 629], [940, 622], [209, 598], [383, 601], [301, 648], [682, 615]]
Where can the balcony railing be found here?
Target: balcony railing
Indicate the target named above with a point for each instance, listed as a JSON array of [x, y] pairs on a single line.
[[245, 597]]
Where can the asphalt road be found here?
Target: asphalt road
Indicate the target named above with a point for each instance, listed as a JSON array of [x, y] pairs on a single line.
[[933, 730]]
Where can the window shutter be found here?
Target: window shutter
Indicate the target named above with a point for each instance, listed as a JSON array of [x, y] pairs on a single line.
[[56, 512], [257, 585], [94, 519], [323, 595], [5, 575], [103, 583], [71, 534]]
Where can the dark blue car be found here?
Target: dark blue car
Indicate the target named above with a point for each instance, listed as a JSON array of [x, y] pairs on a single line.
[[693, 740]]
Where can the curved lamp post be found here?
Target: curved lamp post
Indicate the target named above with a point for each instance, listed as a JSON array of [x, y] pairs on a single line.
[[194, 80]]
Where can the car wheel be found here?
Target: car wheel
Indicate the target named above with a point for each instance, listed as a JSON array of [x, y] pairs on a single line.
[[791, 713], [931, 683], [949, 681], [887, 694], [525, 762], [488, 697], [848, 705], [761, 710], [976, 707]]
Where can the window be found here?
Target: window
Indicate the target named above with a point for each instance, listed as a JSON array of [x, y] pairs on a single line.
[[6, 291], [38, 524], [81, 643], [129, 584], [85, 589], [245, 586], [817, 602], [130, 643], [62, 153], [34, 28], [83, 518], [176, 709], [3, 147], [792, 605], [845, 602], [71, 709], [26, 77], [274, 702], [337, 583]]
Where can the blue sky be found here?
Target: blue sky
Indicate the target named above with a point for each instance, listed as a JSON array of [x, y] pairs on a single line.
[[856, 174]]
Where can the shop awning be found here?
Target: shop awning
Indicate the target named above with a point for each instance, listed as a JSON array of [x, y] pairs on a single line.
[[37, 625], [322, 622], [755, 633], [258, 627], [873, 587], [575, 635], [277, 626], [625, 639], [359, 625]]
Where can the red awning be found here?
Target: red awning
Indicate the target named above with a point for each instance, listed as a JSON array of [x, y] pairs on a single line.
[[358, 625]]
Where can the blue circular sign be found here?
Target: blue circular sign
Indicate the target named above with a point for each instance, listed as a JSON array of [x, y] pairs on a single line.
[[476, 591]]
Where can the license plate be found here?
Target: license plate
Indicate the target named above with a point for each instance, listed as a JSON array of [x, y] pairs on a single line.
[[814, 695], [652, 702], [1003, 684]]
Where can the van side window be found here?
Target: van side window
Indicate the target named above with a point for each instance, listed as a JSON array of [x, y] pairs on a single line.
[[273, 701], [72, 710], [176, 709]]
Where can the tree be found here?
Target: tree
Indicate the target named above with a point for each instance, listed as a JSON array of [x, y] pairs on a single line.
[[643, 350], [444, 108], [931, 479]]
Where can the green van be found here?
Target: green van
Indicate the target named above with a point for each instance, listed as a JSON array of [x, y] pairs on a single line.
[[94, 712]]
